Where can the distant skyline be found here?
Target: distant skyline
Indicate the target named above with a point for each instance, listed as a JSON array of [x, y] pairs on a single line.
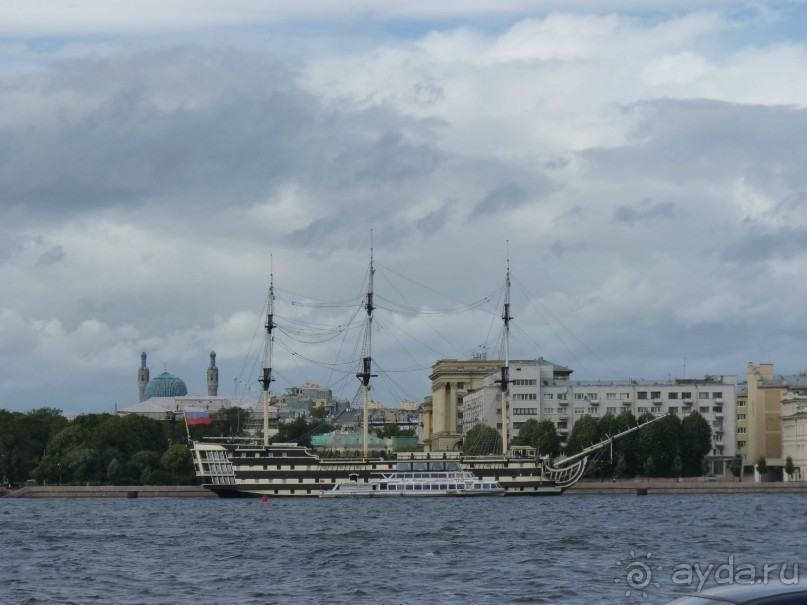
[[645, 161]]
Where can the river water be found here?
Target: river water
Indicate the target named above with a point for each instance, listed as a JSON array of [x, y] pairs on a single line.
[[567, 549]]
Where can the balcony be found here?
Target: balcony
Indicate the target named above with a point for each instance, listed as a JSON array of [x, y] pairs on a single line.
[[718, 400], [564, 417], [594, 401], [563, 431], [718, 414], [563, 402], [627, 402]]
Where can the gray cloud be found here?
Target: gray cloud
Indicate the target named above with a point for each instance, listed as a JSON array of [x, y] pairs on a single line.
[[500, 199], [760, 245], [645, 210]]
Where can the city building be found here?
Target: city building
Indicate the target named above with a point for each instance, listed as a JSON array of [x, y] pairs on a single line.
[[535, 393], [443, 414], [165, 397], [764, 415], [794, 433]]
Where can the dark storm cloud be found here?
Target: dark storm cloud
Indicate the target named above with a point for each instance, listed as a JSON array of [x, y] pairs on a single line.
[[644, 211], [500, 199], [53, 255], [435, 221], [195, 128], [760, 245]]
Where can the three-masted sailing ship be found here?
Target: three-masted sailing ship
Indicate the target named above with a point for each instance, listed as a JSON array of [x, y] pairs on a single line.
[[289, 469]]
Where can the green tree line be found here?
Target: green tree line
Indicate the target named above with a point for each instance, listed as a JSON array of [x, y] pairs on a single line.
[[670, 447], [103, 448]]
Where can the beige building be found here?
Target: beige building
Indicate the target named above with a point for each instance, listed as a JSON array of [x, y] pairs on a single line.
[[764, 415], [442, 418]]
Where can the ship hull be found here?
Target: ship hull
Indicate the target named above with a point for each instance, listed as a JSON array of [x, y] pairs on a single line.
[[288, 470]]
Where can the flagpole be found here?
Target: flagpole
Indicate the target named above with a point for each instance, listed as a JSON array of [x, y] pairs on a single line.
[[185, 416]]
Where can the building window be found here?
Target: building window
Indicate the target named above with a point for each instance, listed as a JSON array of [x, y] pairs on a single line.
[[703, 409], [656, 409], [549, 410], [741, 430], [740, 416], [579, 396], [549, 396], [641, 395], [672, 395], [460, 385], [686, 395], [562, 396], [717, 409], [611, 410], [610, 395], [717, 395], [655, 395], [703, 395], [642, 410], [579, 410], [673, 410]]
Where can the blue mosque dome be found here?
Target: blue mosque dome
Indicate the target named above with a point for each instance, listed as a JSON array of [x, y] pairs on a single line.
[[165, 385]]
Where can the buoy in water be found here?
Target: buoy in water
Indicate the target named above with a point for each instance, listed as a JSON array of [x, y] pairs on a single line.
[[265, 498]]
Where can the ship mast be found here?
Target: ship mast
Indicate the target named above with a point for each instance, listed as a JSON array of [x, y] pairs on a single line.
[[505, 378], [266, 379], [366, 372]]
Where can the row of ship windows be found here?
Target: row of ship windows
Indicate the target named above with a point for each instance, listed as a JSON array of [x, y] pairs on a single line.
[[594, 411], [642, 395], [220, 469], [213, 455]]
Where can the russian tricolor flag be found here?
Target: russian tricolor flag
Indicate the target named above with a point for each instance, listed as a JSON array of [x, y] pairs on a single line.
[[197, 417]]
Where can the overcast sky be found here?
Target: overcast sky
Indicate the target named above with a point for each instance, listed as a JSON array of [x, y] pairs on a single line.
[[648, 168]]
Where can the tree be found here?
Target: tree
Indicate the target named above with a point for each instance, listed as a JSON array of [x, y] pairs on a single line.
[[482, 440], [649, 468], [696, 442], [177, 461], [584, 433], [627, 447], [677, 466], [393, 430], [789, 467], [319, 413], [621, 469], [736, 466], [542, 435], [762, 466]]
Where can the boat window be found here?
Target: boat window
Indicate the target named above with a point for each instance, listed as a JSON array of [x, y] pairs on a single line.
[[401, 488], [409, 487], [420, 466]]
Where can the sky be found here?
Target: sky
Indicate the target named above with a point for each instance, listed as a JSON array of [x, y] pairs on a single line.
[[642, 166]]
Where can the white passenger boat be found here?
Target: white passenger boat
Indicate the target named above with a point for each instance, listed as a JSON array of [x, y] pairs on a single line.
[[446, 483]]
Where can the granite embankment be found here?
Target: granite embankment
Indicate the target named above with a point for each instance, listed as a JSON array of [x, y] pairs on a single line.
[[686, 486], [110, 491]]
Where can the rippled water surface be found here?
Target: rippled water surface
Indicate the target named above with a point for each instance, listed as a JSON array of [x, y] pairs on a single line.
[[568, 549]]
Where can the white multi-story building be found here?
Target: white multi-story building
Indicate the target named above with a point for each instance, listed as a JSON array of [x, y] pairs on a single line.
[[794, 433], [534, 393]]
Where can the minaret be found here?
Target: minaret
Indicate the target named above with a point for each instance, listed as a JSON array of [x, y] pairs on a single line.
[[213, 376], [142, 376]]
